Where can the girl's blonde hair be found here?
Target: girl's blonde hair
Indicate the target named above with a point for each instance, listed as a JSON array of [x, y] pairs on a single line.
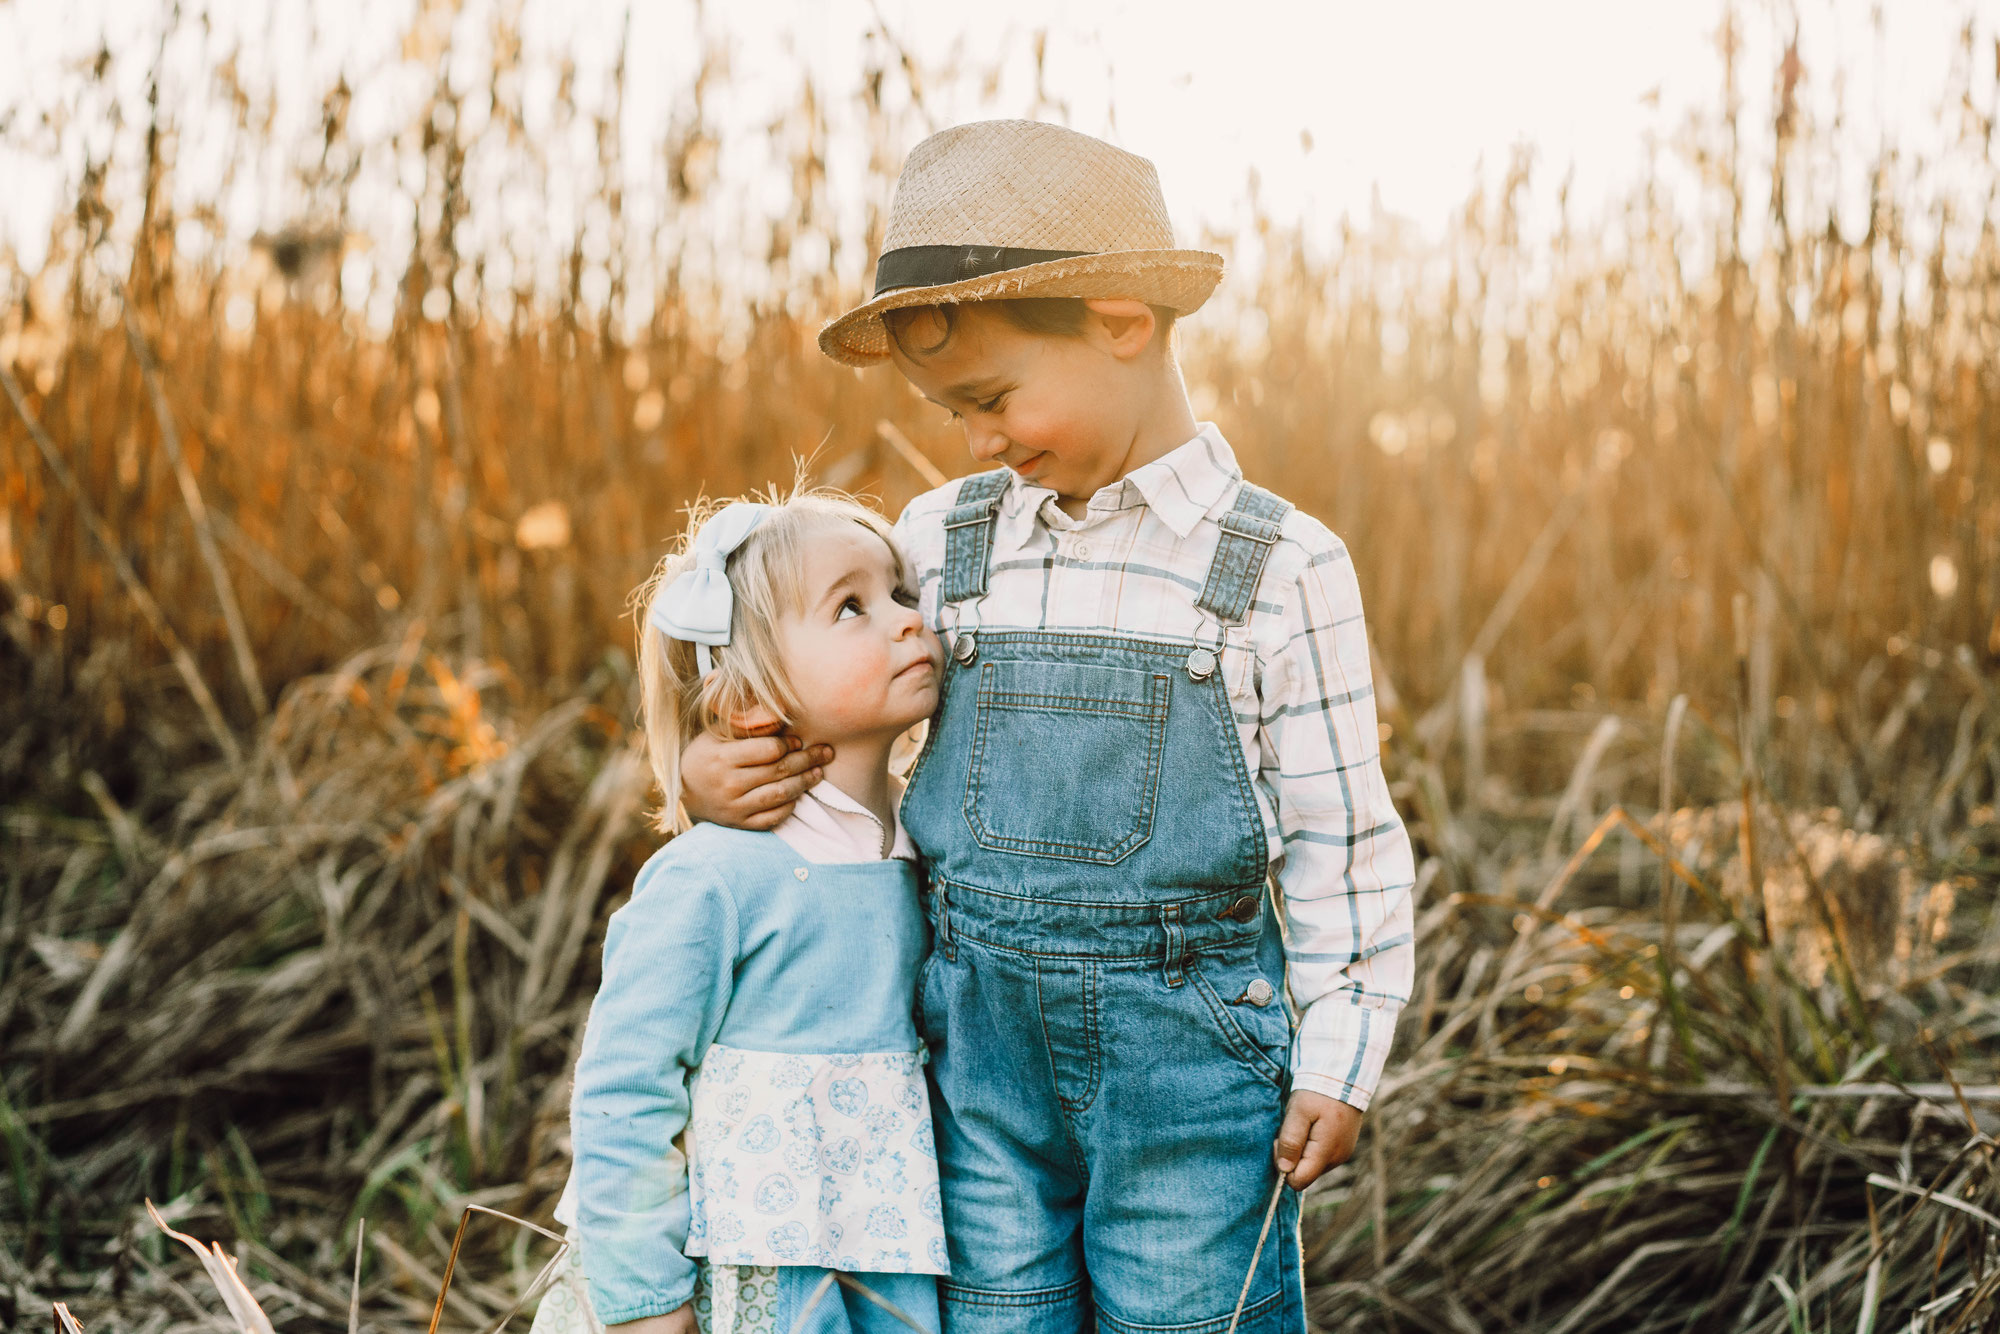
[[767, 578]]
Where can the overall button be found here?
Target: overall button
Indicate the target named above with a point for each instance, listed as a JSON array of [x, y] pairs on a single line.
[[1243, 910], [1201, 664], [1259, 993], [965, 648]]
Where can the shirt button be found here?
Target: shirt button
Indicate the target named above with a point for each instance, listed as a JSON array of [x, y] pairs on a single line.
[[1080, 551]]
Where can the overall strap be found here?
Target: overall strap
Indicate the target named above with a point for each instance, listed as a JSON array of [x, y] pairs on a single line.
[[968, 534], [1249, 530]]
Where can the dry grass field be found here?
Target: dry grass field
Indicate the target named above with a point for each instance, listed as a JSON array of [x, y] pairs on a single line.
[[1680, 535]]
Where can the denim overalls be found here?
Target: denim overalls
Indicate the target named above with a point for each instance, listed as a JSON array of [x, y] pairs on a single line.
[[1104, 1001]]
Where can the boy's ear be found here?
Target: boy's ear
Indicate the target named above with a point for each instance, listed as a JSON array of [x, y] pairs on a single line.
[[1128, 326]]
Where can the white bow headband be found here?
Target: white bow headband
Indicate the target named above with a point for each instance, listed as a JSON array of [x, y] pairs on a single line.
[[698, 604]]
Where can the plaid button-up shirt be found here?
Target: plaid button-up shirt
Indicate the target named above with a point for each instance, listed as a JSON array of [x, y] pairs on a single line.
[[1299, 684]]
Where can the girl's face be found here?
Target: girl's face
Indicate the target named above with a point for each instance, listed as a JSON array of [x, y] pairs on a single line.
[[1060, 411], [860, 658]]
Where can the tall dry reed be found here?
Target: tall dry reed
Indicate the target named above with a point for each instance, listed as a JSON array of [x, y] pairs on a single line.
[[1682, 555]]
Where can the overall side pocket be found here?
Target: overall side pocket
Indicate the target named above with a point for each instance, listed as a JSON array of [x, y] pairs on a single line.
[[1260, 1035]]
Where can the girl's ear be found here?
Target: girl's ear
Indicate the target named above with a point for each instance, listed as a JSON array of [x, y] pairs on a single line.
[[753, 720], [1128, 327], [739, 714]]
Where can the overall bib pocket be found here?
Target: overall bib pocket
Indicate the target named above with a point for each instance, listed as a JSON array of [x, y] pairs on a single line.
[[1066, 759]]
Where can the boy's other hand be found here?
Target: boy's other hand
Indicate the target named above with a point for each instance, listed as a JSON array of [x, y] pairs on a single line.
[[752, 780], [1318, 1134], [673, 1322]]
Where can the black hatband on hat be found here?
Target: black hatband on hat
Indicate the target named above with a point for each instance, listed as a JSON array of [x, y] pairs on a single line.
[[937, 265]]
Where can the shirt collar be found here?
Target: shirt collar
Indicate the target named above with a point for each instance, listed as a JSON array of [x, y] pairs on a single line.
[[1182, 487], [831, 797], [1186, 484]]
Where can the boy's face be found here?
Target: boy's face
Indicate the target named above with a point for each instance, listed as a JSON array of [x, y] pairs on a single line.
[[860, 658], [1060, 410]]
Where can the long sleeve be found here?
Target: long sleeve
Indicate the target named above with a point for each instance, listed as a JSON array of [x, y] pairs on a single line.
[[1347, 870], [668, 962]]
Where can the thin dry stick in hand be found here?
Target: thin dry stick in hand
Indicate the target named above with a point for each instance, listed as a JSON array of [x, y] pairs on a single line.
[[1270, 1212]]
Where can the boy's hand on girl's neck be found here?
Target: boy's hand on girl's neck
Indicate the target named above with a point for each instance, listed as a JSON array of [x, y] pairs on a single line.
[[751, 780], [754, 779]]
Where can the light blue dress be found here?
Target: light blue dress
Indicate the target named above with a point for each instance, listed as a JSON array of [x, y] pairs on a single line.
[[755, 1013]]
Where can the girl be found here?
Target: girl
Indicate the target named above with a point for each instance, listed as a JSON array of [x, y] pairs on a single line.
[[749, 1113]]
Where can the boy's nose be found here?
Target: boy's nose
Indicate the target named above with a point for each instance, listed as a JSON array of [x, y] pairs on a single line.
[[986, 444]]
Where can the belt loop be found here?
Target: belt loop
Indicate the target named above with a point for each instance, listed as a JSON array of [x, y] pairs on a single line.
[[1170, 922], [944, 940]]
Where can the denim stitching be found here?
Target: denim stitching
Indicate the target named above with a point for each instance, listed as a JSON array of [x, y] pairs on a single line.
[[965, 1296], [1027, 702], [947, 939], [1174, 950], [1175, 650], [1246, 1047], [1246, 791], [1251, 527], [968, 537], [1091, 1028], [1143, 910], [1113, 1325], [1151, 957], [1094, 854], [1001, 639], [1077, 1160]]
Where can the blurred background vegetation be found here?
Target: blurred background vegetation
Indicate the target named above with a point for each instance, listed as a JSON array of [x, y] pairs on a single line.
[[1679, 531]]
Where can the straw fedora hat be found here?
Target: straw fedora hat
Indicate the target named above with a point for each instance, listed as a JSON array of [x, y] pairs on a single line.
[[1003, 209]]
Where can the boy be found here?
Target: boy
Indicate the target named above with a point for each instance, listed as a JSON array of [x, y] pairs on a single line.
[[1158, 700]]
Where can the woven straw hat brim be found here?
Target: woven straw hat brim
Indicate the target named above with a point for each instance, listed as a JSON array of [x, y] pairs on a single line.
[[1180, 280]]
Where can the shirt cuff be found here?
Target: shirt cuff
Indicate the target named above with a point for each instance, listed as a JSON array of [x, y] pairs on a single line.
[[642, 1310], [1343, 1044]]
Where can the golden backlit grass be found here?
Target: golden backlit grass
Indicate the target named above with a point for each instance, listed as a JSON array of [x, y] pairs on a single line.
[[1682, 557]]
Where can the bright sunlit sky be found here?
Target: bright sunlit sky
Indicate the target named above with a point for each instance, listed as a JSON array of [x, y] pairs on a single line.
[[1334, 105]]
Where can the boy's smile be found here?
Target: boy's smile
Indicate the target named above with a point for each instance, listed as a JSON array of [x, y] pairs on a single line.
[[1071, 413]]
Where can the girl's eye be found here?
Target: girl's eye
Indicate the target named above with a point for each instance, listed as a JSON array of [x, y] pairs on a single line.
[[907, 596], [852, 605]]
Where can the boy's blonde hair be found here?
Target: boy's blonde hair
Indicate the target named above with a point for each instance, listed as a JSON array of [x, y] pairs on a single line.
[[767, 579]]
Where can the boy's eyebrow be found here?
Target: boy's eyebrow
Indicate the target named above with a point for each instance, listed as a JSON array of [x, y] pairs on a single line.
[[968, 390]]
